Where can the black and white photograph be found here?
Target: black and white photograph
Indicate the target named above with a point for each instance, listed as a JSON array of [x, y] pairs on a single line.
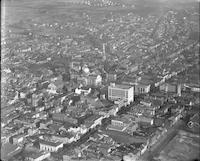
[[100, 80]]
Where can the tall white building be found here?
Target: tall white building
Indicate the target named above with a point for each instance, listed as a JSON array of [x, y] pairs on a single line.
[[124, 92]]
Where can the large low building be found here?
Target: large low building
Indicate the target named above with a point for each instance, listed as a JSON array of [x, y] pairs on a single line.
[[123, 92], [194, 122], [123, 124], [50, 146]]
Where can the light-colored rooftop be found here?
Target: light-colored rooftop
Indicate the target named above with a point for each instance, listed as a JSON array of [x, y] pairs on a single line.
[[121, 86], [122, 119], [49, 143], [116, 128]]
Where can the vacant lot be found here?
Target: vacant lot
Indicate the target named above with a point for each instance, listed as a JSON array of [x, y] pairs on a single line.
[[185, 146]]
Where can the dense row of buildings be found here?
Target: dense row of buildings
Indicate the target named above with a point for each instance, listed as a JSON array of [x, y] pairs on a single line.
[[97, 94]]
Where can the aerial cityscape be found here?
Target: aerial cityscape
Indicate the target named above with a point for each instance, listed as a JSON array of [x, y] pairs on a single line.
[[100, 80]]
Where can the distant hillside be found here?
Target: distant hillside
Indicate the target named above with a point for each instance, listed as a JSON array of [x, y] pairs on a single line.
[[176, 24], [17, 10]]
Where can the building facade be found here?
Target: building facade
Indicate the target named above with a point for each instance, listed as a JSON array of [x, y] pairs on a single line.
[[141, 88], [50, 146], [123, 92], [93, 80]]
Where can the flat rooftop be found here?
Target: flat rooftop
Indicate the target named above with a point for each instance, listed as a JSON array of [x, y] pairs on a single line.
[[49, 143], [121, 86], [122, 119]]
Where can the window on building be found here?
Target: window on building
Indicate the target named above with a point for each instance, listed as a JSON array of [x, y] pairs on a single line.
[[117, 93], [126, 94]]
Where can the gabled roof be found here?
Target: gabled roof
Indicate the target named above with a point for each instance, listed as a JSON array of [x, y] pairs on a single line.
[[44, 85], [97, 104], [196, 119], [18, 136], [93, 118]]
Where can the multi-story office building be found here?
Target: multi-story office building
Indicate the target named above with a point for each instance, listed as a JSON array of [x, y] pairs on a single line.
[[140, 86], [124, 92], [93, 80]]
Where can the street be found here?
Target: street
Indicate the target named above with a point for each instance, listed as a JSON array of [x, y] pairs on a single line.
[[162, 142]]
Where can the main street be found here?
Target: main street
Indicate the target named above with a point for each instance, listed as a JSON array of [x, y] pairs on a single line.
[[161, 142]]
